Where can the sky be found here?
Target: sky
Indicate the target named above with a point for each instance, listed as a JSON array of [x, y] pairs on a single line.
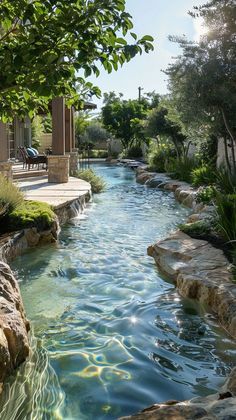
[[158, 18]]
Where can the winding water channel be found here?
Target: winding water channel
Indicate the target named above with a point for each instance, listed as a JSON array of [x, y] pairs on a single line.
[[111, 334]]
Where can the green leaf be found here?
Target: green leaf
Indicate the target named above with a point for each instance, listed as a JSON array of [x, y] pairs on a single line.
[[148, 38]]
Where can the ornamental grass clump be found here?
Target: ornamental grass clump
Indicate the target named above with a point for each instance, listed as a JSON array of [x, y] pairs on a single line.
[[10, 196], [97, 183]]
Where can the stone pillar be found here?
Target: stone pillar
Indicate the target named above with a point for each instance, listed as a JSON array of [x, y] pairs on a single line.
[[58, 168], [73, 162], [58, 162], [5, 166]]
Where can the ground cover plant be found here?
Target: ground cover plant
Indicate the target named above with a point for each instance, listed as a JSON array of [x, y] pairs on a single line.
[[26, 215], [17, 213]]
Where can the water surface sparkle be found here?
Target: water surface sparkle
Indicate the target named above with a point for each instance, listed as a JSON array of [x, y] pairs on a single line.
[[112, 335]]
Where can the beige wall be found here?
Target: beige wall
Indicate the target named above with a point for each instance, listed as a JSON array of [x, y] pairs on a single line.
[[46, 142]]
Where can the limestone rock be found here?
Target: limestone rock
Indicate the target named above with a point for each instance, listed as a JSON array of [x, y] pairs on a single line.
[[156, 181], [14, 327], [144, 176], [219, 406], [201, 272]]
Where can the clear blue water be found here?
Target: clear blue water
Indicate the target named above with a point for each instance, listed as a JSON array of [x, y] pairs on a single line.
[[112, 336]]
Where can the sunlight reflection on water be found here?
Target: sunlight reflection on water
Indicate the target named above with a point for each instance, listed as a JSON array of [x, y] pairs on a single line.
[[117, 337]]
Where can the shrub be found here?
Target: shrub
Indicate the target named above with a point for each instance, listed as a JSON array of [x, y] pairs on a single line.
[[226, 212], [199, 228], [205, 194], [181, 168], [207, 151], [29, 214], [204, 175], [96, 182], [134, 152], [10, 196], [159, 155], [98, 153]]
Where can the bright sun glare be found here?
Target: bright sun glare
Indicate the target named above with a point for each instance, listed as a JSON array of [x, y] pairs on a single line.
[[200, 28]]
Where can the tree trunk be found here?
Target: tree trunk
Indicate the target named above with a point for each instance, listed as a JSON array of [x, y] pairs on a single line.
[[232, 138], [233, 155], [226, 154]]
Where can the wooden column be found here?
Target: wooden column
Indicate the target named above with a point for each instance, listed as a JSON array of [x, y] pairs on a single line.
[[4, 147], [58, 126], [68, 130], [73, 127]]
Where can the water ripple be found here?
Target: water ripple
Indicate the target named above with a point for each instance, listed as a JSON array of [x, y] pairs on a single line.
[[117, 336]]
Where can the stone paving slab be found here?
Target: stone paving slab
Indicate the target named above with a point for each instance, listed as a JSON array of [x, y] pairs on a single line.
[[38, 188]]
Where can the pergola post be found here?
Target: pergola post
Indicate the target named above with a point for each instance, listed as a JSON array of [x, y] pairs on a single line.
[[58, 162], [73, 127], [70, 132], [5, 165]]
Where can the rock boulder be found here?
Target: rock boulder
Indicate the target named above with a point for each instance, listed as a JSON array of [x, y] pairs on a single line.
[[200, 272], [14, 327]]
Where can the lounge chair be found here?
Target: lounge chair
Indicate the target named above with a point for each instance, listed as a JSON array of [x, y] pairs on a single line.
[[32, 158]]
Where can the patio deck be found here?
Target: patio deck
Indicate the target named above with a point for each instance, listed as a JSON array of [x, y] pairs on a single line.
[[38, 188]]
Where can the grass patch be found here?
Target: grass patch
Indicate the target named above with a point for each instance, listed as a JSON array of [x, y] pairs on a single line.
[[28, 214], [97, 183]]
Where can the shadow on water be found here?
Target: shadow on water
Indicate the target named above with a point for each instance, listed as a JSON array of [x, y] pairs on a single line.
[[112, 335]]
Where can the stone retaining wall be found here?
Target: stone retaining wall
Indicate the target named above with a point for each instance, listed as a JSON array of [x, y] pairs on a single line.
[[14, 244]]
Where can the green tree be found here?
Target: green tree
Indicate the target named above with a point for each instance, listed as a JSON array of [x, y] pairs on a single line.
[[50, 47], [123, 118], [37, 131], [81, 123], [95, 133], [158, 123], [203, 78]]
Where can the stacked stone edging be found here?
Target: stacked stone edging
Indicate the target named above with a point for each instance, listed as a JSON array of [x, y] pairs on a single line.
[[219, 406], [15, 243]]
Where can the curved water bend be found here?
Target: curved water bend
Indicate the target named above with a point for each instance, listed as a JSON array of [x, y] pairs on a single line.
[[116, 334]]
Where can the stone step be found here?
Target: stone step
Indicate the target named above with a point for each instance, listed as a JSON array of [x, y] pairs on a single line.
[[29, 174]]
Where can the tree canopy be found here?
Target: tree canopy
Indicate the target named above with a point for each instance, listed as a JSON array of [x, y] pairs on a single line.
[[123, 118], [49, 48], [202, 80]]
